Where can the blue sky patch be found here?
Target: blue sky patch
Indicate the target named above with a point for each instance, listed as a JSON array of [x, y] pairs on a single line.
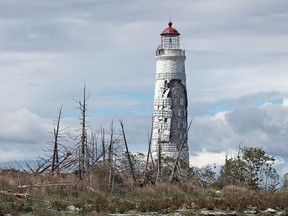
[[221, 107], [260, 102]]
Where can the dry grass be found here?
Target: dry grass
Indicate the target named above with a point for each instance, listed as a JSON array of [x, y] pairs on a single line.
[[93, 196]]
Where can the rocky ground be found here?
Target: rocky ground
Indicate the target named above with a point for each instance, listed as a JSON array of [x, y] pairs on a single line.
[[195, 211]]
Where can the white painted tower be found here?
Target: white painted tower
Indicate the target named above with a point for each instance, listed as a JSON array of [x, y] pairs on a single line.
[[170, 99]]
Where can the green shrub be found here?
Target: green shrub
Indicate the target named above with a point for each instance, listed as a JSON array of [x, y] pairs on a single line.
[[59, 204]]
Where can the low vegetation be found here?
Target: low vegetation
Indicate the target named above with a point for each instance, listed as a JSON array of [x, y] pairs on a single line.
[[24, 193]]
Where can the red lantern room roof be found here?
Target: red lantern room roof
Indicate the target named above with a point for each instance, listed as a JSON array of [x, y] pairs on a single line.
[[170, 30]]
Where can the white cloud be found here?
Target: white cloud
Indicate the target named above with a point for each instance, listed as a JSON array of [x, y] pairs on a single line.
[[12, 154], [263, 126], [23, 126], [285, 102], [204, 158]]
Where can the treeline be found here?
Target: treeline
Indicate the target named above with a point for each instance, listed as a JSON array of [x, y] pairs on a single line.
[[106, 152]]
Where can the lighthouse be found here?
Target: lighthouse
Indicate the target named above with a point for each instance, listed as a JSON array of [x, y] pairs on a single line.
[[169, 136]]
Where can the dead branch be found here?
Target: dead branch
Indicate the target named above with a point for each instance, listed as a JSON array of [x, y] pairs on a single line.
[[20, 195], [46, 185]]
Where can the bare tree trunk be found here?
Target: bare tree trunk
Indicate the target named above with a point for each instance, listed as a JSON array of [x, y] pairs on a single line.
[[149, 147], [83, 136], [87, 156], [127, 151], [159, 162], [83, 139], [93, 148], [110, 158], [103, 144], [79, 163], [149, 154], [179, 152], [55, 159]]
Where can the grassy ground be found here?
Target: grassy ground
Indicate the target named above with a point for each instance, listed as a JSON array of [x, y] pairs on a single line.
[[50, 195]]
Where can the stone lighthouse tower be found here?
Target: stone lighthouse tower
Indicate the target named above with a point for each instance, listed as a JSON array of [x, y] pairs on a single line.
[[170, 99]]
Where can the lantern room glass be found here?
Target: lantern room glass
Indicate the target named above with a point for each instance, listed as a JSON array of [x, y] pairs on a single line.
[[170, 42]]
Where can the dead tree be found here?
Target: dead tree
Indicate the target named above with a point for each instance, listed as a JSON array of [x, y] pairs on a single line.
[[83, 153], [92, 154], [127, 151], [93, 147], [146, 177], [149, 148], [103, 144], [110, 158], [159, 160], [179, 153], [55, 159]]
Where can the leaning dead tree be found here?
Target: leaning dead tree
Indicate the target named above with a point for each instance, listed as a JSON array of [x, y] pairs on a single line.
[[177, 161], [55, 158], [127, 151], [159, 160]]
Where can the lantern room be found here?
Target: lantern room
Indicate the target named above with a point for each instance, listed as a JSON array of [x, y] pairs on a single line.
[[170, 38]]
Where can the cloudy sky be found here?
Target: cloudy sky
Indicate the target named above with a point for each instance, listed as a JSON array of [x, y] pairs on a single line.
[[236, 67]]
